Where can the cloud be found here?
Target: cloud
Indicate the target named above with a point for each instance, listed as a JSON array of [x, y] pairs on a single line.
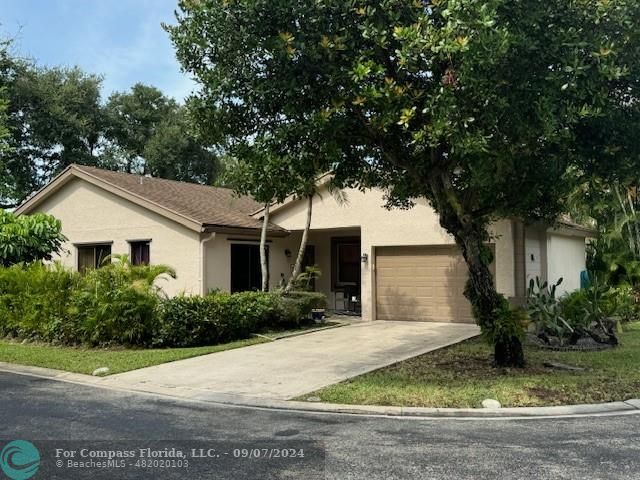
[[129, 46]]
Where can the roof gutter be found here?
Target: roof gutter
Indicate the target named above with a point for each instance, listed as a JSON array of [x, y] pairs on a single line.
[[244, 231]]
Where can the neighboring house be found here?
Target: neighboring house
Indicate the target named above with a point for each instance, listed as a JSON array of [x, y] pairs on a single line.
[[388, 264]]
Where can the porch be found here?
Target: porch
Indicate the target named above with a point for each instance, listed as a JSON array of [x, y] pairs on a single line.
[[337, 255]]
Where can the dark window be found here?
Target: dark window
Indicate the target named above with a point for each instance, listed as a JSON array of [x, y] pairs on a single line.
[[346, 261], [92, 256], [246, 273], [140, 253]]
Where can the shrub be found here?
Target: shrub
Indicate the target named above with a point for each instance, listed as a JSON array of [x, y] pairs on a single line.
[[34, 300], [305, 302], [573, 306], [28, 238], [223, 317], [116, 304], [622, 303], [120, 304], [597, 302], [509, 323]]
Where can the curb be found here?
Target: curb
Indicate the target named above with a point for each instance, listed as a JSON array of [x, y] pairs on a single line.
[[628, 407]]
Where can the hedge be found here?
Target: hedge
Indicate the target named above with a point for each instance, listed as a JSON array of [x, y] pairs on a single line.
[[223, 317], [120, 305]]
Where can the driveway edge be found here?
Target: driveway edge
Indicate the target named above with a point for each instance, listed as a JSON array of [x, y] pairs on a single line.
[[631, 406]]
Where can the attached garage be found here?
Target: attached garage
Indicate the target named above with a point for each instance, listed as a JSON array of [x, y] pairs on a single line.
[[424, 283]]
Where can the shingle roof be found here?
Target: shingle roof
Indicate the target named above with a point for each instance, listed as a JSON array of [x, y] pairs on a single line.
[[210, 206]]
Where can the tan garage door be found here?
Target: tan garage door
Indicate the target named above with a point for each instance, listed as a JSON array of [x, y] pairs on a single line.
[[421, 284]]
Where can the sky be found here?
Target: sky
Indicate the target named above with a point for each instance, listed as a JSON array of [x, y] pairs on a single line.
[[122, 40]]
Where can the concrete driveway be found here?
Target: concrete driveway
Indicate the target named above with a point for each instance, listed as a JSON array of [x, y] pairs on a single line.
[[294, 366]]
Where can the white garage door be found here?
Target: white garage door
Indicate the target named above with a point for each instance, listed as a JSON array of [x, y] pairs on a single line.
[[421, 284]]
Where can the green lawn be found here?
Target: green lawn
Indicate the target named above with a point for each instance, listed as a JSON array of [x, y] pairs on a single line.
[[86, 360], [462, 376]]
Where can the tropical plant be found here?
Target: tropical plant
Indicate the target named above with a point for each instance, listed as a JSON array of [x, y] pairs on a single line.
[[28, 238], [117, 303], [544, 310], [34, 301], [306, 279], [598, 296], [598, 308]]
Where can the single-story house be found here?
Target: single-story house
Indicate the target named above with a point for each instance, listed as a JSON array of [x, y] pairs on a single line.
[[386, 264]]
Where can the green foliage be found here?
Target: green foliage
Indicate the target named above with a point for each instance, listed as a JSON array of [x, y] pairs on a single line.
[[623, 304], [54, 119], [34, 301], [223, 317], [306, 279], [4, 130], [261, 173], [215, 318], [149, 133], [596, 303], [28, 238], [510, 323], [122, 304], [398, 90], [573, 306], [544, 310], [307, 301], [115, 304], [611, 259]]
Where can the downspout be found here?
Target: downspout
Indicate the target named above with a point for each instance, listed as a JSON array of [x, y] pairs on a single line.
[[203, 261]]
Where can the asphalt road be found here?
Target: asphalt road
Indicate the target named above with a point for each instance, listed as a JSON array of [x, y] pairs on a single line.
[[56, 415]]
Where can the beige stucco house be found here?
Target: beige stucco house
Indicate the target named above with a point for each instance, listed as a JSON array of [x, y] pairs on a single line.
[[386, 264]]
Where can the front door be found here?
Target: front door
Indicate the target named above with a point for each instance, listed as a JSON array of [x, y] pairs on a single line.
[[345, 272], [246, 273]]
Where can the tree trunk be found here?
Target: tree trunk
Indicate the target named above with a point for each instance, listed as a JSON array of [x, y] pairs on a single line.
[[264, 267], [486, 301], [303, 246], [470, 233]]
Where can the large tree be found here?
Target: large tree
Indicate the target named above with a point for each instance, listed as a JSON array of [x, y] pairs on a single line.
[[479, 106], [150, 133], [54, 119], [134, 118]]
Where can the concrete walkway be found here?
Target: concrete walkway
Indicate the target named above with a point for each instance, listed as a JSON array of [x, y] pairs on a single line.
[[294, 366]]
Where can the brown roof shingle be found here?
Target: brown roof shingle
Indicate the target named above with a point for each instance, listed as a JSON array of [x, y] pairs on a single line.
[[210, 206]]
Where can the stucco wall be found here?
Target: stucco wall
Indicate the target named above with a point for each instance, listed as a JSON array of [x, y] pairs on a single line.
[[218, 254], [218, 249], [567, 258], [90, 214], [382, 227]]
